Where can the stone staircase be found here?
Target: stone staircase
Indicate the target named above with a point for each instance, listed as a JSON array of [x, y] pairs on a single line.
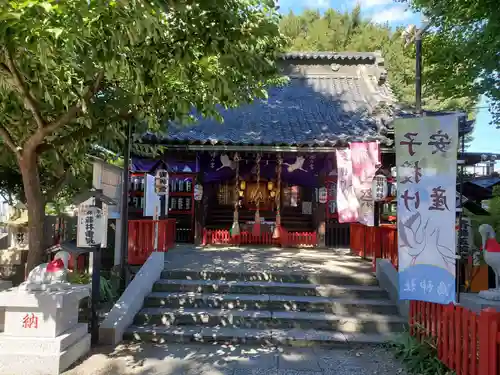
[[270, 308]]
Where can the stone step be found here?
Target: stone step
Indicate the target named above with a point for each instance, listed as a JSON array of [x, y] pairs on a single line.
[[345, 273], [269, 287], [364, 323], [222, 335], [270, 302]]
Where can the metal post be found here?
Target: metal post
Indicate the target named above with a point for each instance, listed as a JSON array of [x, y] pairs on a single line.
[[460, 215], [96, 287], [418, 72], [376, 213], [124, 203], [155, 218]]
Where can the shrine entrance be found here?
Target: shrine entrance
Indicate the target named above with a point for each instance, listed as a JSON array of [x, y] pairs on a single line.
[[259, 194], [263, 198]]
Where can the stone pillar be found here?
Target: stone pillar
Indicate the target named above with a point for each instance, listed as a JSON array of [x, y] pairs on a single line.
[[4, 285], [41, 333]]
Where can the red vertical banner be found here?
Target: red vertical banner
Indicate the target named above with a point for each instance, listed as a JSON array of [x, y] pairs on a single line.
[[347, 202], [365, 158]]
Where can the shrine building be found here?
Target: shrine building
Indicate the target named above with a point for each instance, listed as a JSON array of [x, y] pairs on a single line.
[[270, 161]]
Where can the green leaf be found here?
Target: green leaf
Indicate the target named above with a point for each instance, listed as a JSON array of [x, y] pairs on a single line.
[[210, 53], [46, 6], [57, 31]]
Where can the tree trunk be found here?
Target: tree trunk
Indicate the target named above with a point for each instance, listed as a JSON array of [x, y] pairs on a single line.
[[28, 164]]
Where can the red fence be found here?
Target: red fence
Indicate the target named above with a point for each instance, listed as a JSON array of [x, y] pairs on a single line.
[[467, 343], [141, 238], [375, 242], [287, 239]]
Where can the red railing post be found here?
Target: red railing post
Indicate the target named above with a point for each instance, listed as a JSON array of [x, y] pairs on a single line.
[[204, 240], [467, 343], [141, 238], [223, 237], [466, 349], [474, 344], [445, 337], [489, 321], [459, 340]]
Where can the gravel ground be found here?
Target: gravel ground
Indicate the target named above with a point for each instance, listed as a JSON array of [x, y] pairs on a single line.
[[178, 359]]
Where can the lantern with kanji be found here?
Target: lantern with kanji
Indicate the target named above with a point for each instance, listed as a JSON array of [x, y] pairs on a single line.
[[161, 182], [198, 192], [322, 195], [379, 188]]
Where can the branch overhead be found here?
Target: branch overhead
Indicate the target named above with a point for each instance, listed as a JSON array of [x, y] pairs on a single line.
[[21, 86], [4, 134], [76, 108], [36, 140]]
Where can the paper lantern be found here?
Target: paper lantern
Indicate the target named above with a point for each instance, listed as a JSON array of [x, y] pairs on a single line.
[[379, 188], [270, 185], [243, 185], [322, 195], [198, 192], [161, 182]]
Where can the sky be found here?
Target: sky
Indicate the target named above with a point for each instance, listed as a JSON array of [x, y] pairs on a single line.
[[397, 14], [377, 10]]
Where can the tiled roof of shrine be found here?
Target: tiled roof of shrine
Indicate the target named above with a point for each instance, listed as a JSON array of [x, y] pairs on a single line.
[[330, 98]]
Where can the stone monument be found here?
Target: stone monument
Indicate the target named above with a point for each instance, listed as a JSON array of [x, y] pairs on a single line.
[[42, 335], [491, 254]]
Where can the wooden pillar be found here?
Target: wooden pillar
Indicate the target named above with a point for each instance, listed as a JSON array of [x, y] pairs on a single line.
[[199, 211], [320, 213]]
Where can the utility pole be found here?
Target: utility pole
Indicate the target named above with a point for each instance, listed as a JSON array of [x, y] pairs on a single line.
[[410, 35], [418, 72], [124, 205]]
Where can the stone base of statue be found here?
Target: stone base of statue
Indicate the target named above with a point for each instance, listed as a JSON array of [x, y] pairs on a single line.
[[490, 294], [42, 335], [45, 287]]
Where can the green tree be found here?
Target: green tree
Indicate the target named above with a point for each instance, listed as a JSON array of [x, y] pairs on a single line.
[[335, 31], [463, 46], [73, 73]]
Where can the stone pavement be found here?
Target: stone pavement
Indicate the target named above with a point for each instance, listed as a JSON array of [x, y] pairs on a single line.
[[179, 359], [262, 259]]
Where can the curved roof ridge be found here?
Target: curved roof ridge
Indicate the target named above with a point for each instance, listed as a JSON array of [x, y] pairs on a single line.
[[332, 56]]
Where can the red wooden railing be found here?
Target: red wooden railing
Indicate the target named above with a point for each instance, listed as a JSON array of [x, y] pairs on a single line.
[[287, 239], [141, 238], [374, 242], [467, 343]]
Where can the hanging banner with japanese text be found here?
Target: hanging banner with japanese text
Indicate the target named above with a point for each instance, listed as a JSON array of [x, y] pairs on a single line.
[[347, 203], [426, 159], [365, 162]]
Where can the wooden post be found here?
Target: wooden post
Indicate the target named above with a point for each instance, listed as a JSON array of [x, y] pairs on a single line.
[[320, 214], [489, 332], [199, 211]]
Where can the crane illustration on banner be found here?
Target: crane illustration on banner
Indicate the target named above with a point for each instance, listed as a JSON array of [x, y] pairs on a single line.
[[297, 165], [449, 255], [226, 162], [412, 236]]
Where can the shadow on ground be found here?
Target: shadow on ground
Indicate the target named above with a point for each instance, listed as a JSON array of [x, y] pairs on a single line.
[[217, 359]]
